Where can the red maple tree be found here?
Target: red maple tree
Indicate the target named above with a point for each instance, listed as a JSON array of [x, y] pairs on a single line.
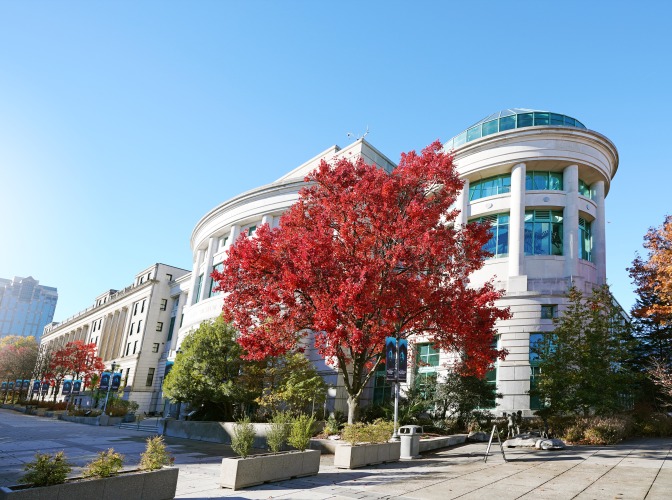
[[77, 359], [365, 254]]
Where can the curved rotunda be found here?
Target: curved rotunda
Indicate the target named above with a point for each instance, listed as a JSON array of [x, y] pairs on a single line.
[[540, 179]]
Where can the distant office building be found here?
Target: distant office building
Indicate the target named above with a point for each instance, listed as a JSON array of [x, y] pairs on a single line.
[[26, 307], [132, 329]]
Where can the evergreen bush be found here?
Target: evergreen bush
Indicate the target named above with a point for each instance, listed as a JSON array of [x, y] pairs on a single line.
[[301, 431], [243, 437], [107, 464], [155, 455], [46, 469]]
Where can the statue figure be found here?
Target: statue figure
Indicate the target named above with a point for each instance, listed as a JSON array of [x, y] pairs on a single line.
[[519, 420], [511, 425]]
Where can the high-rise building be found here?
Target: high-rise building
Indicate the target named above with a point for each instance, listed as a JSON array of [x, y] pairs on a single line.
[[26, 307]]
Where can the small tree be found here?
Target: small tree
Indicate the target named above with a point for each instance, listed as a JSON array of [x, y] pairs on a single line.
[[210, 373], [585, 362], [243, 437], [301, 431], [459, 395], [291, 383]]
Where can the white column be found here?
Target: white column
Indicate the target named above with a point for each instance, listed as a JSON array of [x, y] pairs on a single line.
[[194, 277], [267, 219], [462, 204], [207, 279], [598, 228], [516, 223], [570, 180], [233, 235]]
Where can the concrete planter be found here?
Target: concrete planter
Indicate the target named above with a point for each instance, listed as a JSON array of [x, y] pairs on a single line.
[[99, 420], [142, 485], [361, 455], [239, 472]]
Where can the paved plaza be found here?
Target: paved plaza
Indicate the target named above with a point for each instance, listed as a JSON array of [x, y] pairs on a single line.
[[637, 469]]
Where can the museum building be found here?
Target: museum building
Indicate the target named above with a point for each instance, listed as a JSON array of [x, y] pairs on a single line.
[[539, 178]]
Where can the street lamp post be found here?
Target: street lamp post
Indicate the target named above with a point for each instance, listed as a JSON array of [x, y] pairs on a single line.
[[109, 386]]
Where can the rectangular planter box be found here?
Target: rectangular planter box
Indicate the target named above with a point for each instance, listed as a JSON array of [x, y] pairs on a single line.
[[442, 442], [141, 485], [239, 472], [361, 455]]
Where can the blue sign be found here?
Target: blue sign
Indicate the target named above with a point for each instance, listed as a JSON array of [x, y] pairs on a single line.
[[45, 387], [105, 381], [116, 381], [76, 387], [3, 387], [36, 386], [26, 385], [67, 387], [396, 359]]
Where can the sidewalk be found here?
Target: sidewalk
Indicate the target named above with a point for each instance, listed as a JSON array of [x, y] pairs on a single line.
[[637, 469]]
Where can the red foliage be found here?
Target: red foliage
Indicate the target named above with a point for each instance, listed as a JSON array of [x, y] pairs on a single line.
[[365, 254], [77, 359]]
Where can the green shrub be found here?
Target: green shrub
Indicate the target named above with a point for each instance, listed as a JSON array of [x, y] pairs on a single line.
[[243, 437], [607, 430], [380, 431], [332, 426], [301, 431], [46, 469], [354, 433], [120, 407], [654, 425], [155, 455], [108, 463], [278, 432]]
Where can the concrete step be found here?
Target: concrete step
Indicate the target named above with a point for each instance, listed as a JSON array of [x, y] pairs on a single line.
[[140, 427]]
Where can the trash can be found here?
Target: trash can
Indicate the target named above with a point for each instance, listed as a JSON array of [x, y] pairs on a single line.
[[410, 441]]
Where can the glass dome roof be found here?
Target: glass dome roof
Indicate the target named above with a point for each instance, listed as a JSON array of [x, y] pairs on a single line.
[[510, 119]]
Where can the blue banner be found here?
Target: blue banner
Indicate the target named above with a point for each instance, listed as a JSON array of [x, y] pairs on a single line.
[[3, 387], [26, 385], [402, 354], [116, 381], [67, 387], [45, 387], [76, 387], [36, 386], [390, 358], [105, 381]]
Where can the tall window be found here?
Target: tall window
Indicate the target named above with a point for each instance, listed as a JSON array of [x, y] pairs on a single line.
[[199, 288], [490, 186], [427, 362], [218, 268], [382, 389], [150, 377], [544, 181], [498, 244], [543, 232], [585, 190], [585, 240]]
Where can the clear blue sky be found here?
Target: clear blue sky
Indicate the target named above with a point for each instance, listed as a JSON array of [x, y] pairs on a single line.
[[122, 123]]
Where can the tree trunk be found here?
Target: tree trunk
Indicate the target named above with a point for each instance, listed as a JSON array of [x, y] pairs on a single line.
[[353, 403]]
